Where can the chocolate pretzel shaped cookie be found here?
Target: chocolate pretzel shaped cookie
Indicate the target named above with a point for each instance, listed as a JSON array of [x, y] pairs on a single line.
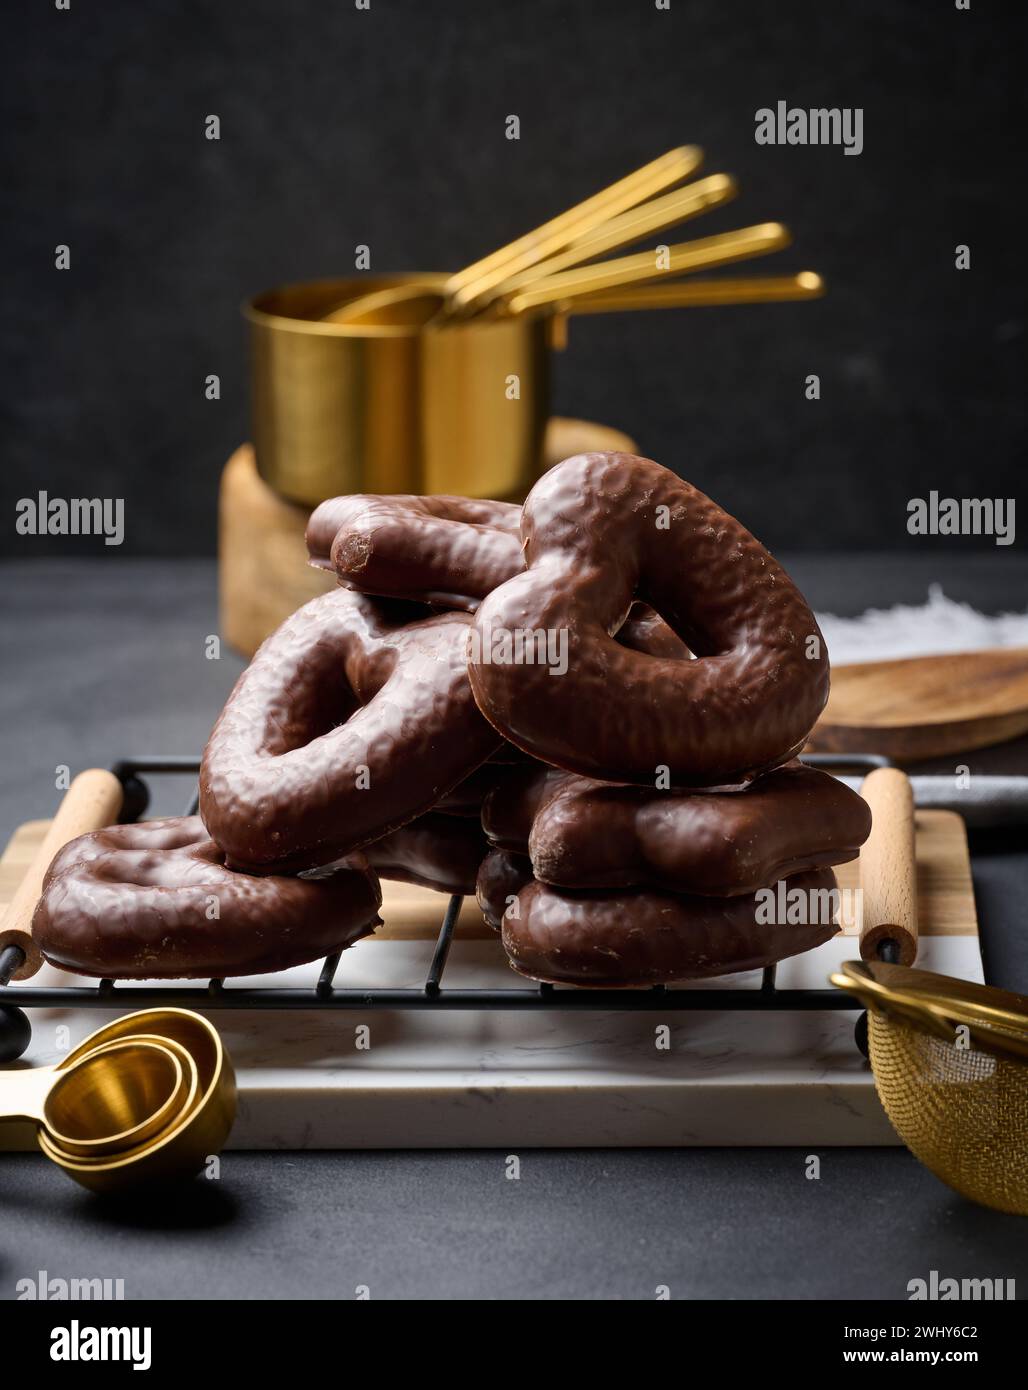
[[600, 531], [155, 901], [650, 938], [446, 551], [589, 836], [449, 552], [352, 719]]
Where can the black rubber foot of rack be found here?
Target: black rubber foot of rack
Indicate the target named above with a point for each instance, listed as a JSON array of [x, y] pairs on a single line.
[[860, 1034], [15, 1033], [137, 798]]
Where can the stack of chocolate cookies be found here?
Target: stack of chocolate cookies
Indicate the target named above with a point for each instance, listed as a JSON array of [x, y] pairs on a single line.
[[588, 710]]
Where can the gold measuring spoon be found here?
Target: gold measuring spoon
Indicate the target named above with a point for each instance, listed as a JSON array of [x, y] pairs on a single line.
[[107, 1100], [770, 289], [682, 259], [145, 1099], [77, 1125], [148, 1147], [192, 1134], [409, 305], [469, 288], [632, 226]]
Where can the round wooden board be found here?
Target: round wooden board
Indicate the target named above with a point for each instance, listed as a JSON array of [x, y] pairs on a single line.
[[262, 558], [926, 707]]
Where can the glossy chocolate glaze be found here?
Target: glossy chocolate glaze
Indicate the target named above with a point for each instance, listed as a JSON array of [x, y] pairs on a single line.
[[467, 797], [646, 631], [501, 878], [589, 835], [155, 901], [449, 552], [353, 718], [599, 532], [446, 551], [510, 809], [650, 938], [435, 851]]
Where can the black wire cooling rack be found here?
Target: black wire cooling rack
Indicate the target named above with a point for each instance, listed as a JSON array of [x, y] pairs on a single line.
[[15, 1029]]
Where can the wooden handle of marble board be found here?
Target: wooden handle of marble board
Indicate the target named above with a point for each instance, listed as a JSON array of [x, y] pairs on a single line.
[[888, 868], [92, 801]]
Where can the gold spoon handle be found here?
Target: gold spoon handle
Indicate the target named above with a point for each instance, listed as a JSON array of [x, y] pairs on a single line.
[[466, 286], [93, 800], [413, 303], [23, 1093], [770, 289], [873, 994], [682, 259], [632, 226]]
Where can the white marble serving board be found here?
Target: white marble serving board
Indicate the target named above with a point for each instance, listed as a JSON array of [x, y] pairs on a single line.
[[477, 1079], [450, 1078]]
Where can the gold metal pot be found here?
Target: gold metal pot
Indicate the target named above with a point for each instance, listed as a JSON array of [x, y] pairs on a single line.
[[394, 405]]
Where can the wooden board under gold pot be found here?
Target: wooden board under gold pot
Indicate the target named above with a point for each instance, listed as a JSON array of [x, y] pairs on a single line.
[[262, 559]]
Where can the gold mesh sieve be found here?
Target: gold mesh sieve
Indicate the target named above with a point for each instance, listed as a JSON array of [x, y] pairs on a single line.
[[950, 1062]]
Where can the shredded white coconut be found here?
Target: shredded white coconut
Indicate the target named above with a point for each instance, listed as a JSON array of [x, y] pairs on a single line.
[[930, 629]]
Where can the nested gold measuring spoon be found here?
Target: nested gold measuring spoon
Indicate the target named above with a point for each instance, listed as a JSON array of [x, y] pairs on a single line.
[[689, 256], [673, 208], [466, 287], [768, 289], [411, 305], [472, 287], [186, 1133], [402, 303], [151, 1095], [108, 1099]]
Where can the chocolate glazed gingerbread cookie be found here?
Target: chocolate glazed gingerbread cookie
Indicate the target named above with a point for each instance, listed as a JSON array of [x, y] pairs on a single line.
[[650, 938], [449, 552], [510, 808], [501, 877], [352, 719], [155, 901], [588, 835], [446, 551], [435, 851], [599, 531]]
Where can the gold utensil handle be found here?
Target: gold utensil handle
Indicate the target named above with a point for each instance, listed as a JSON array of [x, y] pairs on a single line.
[[405, 304], [93, 800], [927, 1013], [653, 216], [770, 289], [682, 259], [888, 867], [468, 285], [23, 1094]]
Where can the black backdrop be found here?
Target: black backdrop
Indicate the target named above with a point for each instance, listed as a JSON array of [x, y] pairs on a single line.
[[341, 126]]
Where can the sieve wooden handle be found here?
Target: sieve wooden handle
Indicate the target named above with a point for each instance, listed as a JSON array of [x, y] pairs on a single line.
[[888, 867], [92, 801]]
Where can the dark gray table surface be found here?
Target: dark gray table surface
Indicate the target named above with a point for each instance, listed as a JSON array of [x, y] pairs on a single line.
[[108, 657]]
